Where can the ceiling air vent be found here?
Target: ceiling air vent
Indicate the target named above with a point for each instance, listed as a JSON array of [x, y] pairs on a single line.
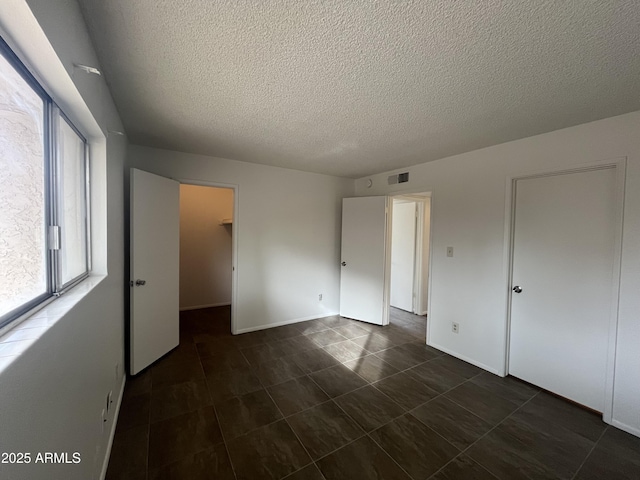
[[399, 178]]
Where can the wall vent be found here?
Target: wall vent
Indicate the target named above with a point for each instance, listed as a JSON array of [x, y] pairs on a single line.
[[399, 178]]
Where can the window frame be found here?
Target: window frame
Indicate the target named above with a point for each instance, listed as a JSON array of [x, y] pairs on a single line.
[[52, 114], [59, 286]]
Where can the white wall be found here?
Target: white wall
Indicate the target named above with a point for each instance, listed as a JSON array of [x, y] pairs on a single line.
[[468, 213], [288, 229], [205, 246], [52, 395]]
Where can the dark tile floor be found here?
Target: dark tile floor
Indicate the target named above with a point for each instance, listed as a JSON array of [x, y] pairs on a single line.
[[338, 399]]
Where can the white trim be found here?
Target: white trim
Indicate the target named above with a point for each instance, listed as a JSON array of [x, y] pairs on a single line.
[[466, 359], [619, 163], [621, 173], [285, 322], [198, 307], [430, 278], [507, 262], [419, 306], [626, 428], [386, 294], [234, 240], [112, 433], [418, 244]]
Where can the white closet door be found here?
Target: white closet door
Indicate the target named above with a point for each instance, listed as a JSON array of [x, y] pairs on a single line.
[[155, 257], [563, 265]]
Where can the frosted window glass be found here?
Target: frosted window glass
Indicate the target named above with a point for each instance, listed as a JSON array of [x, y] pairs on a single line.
[[23, 249], [73, 251]]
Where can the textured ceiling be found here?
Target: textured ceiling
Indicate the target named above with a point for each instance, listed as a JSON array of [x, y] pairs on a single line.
[[355, 87]]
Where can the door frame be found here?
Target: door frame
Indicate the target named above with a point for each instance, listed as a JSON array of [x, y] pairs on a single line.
[[419, 305], [234, 238], [619, 163], [419, 197], [420, 201]]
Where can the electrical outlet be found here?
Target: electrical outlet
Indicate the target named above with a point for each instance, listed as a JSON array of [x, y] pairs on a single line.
[[455, 328], [109, 400], [449, 251], [320, 297]]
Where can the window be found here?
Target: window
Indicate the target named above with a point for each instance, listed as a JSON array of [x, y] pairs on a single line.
[[72, 202], [44, 228]]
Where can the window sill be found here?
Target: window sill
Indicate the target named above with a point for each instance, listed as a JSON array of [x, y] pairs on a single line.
[[24, 332]]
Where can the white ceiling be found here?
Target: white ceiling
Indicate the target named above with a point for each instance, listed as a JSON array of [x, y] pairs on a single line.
[[355, 87]]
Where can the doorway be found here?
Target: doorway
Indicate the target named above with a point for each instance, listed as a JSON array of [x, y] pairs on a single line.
[[206, 258], [155, 306], [365, 275], [409, 271]]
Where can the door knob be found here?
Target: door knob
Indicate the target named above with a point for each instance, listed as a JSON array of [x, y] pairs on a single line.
[[344, 264], [139, 282], [517, 289]]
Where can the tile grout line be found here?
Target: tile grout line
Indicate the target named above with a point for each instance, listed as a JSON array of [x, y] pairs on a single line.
[[458, 456], [294, 433], [483, 436], [409, 412], [595, 444], [364, 434], [215, 410], [289, 475], [465, 408], [368, 434], [383, 449]]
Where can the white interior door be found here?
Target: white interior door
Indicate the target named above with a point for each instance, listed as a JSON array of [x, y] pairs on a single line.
[[403, 254], [155, 253], [364, 282], [563, 262]]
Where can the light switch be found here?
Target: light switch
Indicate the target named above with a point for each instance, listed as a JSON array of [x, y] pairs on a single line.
[[449, 251]]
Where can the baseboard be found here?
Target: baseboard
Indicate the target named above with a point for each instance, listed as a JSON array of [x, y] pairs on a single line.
[[626, 428], [116, 413], [467, 359], [198, 307], [286, 322]]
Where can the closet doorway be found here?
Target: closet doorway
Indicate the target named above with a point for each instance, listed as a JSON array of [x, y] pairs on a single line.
[[206, 257]]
